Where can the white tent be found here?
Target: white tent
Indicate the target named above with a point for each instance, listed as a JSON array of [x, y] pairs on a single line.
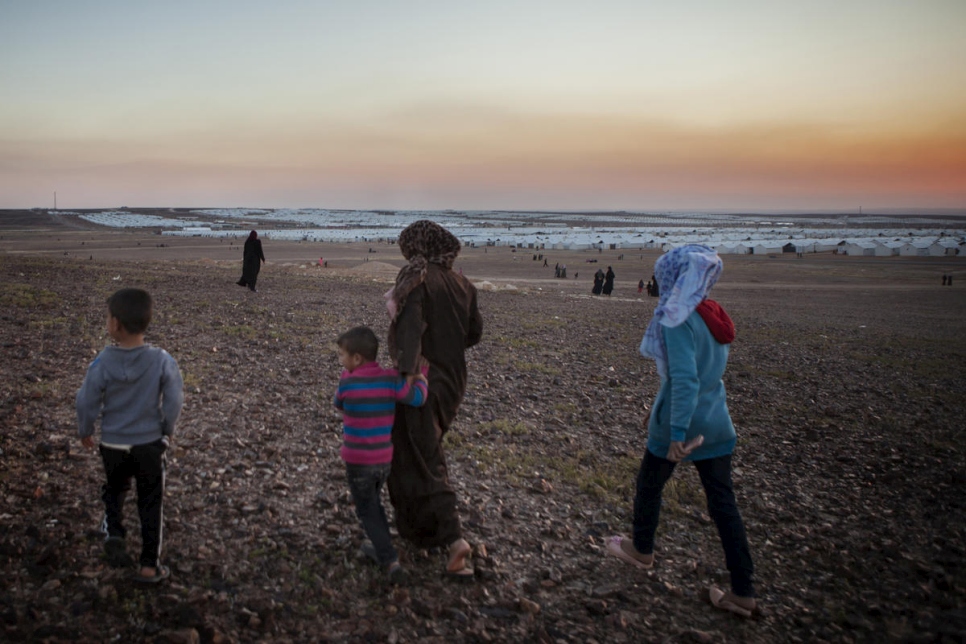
[[915, 249], [887, 248], [950, 246], [767, 247], [860, 248], [733, 248]]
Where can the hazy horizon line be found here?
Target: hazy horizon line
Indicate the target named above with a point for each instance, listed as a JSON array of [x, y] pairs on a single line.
[[863, 212]]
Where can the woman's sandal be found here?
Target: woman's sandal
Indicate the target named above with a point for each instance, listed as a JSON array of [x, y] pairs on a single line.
[[615, 549], [461, 554], [160, 574], [466, 575]]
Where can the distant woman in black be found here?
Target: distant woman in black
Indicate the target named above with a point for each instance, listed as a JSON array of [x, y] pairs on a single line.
[[251, 261], [609, 281], [598, 282]]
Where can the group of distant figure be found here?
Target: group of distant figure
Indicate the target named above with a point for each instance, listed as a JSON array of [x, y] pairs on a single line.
[[603, 282], [947, 280], [651, 287]]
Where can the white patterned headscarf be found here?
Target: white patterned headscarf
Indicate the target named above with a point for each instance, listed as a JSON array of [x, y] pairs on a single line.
[[685, 276]]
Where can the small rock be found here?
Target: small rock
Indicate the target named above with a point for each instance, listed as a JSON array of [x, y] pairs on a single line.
[[457, 615], [543, 487], [596, 607], [603, 592], [673, 590], [617, 620], [182, 636]]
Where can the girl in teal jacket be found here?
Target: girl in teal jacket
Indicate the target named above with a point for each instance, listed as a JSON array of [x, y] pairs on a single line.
[[689, 339]]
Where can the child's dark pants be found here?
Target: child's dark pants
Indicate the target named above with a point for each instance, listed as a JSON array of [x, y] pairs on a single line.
[[366, 483], [715, 476], [146, 465]]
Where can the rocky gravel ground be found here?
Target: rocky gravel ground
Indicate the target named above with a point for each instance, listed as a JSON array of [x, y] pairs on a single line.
[[849, 469]]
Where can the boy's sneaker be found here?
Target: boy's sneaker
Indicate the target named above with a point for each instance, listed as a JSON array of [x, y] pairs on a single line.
[[116, 553], [369, 552], [397, 575]]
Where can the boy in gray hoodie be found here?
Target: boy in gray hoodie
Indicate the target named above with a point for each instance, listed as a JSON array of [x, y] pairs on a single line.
[[136, 390]]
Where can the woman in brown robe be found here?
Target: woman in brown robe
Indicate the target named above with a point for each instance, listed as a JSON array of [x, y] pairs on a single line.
[[434, 319]]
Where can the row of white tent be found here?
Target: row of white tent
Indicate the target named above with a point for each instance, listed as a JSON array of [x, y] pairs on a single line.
[[861, 247], [870, 247], [920, 248], [725, 242]]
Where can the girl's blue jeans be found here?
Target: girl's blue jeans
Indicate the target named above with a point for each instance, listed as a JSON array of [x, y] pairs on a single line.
[[715, 476]]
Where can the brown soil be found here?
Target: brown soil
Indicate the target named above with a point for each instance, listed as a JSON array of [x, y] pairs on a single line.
[[845, 384]]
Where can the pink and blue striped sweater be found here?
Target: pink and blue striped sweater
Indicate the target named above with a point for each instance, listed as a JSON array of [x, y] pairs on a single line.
[[367, 397]]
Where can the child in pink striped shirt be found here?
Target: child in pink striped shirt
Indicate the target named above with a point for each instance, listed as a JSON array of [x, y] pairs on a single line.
[[367, 396]]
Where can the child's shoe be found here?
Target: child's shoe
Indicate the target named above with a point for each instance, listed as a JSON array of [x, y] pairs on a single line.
[[116, 553], [397, 574], [369, 551]]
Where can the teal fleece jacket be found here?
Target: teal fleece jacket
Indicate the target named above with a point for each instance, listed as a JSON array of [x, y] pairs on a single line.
[[691, 400], [137, 393]]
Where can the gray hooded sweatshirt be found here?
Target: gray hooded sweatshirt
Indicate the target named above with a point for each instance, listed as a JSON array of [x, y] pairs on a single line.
[[137, 392]]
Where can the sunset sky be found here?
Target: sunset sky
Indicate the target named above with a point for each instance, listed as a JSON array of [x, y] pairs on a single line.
[[504, 104]]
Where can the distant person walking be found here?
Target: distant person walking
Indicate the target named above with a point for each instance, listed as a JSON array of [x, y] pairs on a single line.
[[434, 318], [640, 287], [689, 338], [598, 282], [252, 259], [608, 281]]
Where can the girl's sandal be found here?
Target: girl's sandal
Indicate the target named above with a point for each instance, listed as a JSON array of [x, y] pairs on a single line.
[[615, 549], [718, 599]]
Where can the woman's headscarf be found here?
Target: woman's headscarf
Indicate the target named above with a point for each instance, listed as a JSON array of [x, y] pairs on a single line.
[[253, 235], [684, 276], [423, 242]]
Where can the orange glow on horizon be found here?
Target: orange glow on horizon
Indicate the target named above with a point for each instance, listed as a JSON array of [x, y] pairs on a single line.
[[634, 162]]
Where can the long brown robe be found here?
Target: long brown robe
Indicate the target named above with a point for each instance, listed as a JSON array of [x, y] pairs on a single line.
[[439, 321]]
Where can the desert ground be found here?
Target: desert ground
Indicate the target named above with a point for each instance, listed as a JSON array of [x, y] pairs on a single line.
[[845, 384]]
